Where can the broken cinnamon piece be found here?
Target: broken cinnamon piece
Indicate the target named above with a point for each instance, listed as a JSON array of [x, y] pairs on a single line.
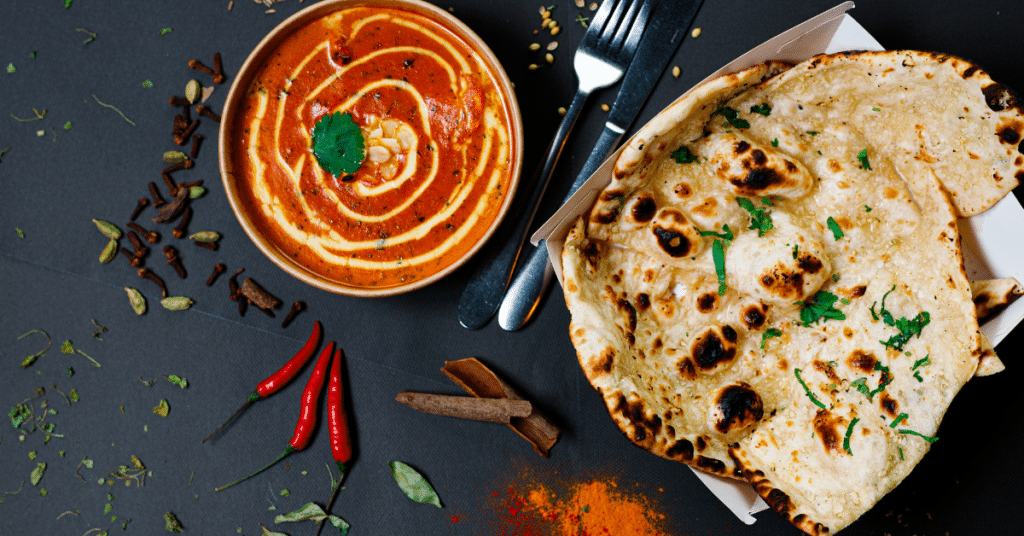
[[499, 410], [258, 295], [481, 382]]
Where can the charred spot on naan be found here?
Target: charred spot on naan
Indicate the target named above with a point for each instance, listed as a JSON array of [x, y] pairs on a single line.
[[609, 205], [707, 302], [992, 296], [714, 349], [643, 425], [862, 361], [755, 170], [674, 235], [736, 407], [754, 315], [828, 428], [643, 208]]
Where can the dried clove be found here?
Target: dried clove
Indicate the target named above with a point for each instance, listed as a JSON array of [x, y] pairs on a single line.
[[172, 188], [158, 200], [217, 270], [151, 236], [140, 249], [178, 101], [218, 69], [175, 261], [197, 140], [146, 273], [206, 112], [182, 227], [198, 66], [191, 184], [138, 208], [259, 296], [184, 135], [233, 285], [184, 164], [297, 307], [212, 246], [132, 259], [171, 211]]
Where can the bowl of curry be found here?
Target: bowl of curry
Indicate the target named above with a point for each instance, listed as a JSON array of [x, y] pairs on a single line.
[[439, 132]]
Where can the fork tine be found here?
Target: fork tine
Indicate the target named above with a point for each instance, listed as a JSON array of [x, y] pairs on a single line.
[[614, 20], [620, 32], [596, 28], [636, 30]]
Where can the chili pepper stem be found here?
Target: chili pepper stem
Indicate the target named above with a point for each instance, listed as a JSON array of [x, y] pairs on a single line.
[[283, 455], [334, 494], [253, 397]]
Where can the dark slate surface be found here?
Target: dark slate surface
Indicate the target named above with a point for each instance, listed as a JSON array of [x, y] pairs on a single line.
[[51, 280]]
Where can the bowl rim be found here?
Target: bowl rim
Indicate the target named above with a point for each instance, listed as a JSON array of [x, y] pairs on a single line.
[[254, 61]]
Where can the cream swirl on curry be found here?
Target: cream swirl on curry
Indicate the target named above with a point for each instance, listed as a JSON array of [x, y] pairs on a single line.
[[437, 135]]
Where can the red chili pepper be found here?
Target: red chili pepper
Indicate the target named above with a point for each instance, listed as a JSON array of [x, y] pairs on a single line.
[[337, 426], [279, 379], [307, 415]]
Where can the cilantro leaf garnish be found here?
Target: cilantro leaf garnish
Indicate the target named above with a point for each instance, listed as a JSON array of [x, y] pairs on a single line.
[[818, 307], [863, 157], [837, 231], [898, 420], [812, 132], [762, 109], [796, 251], [718, 254], [908, 328], [862, 386], [796, 372], [731, 116], [919, 434], [760, 219], [682, 155], [725, 235], [770, 333], [338, 144], [775, 142], [849, 432], [867, 208], [924, 361]]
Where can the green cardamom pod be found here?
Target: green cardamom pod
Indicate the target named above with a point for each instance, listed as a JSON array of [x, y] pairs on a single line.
[[137, 300], [176, 303], [205, 236], [196, 192], [174, 157], [108, 229], [193, 90], [109, 252]]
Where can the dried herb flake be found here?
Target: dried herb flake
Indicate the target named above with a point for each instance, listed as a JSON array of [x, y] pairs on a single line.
[[37, 473], [162, 408], [32, 358], [312, 512]]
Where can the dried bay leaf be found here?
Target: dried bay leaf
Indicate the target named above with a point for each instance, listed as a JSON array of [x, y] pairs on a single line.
[[413, 484]]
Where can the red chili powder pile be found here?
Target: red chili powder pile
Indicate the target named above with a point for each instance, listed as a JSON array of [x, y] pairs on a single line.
[[591, 508]]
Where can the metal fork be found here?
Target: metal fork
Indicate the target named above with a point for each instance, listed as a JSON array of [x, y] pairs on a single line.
[[601, 59]]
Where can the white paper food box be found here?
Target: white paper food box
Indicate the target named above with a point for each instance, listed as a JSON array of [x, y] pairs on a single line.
[[990, 241]]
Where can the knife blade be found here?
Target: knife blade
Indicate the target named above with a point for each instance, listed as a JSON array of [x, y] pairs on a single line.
[[667, 28]]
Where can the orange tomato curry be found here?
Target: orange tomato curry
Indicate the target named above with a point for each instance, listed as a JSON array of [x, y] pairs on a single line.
[[436, 131]]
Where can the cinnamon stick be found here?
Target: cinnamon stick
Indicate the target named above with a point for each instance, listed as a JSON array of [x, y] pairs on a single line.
[[259, 296], [481, 382], [499, 410]]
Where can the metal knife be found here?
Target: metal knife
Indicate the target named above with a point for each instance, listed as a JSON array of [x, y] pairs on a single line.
[[666, 29]]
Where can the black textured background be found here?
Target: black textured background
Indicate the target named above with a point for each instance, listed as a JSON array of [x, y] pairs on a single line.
[[51, 280]]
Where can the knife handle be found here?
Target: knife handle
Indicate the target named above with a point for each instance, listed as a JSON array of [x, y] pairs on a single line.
[[533, 280]]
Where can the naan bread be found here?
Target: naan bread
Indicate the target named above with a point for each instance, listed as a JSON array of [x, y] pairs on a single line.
[[863, 164]]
